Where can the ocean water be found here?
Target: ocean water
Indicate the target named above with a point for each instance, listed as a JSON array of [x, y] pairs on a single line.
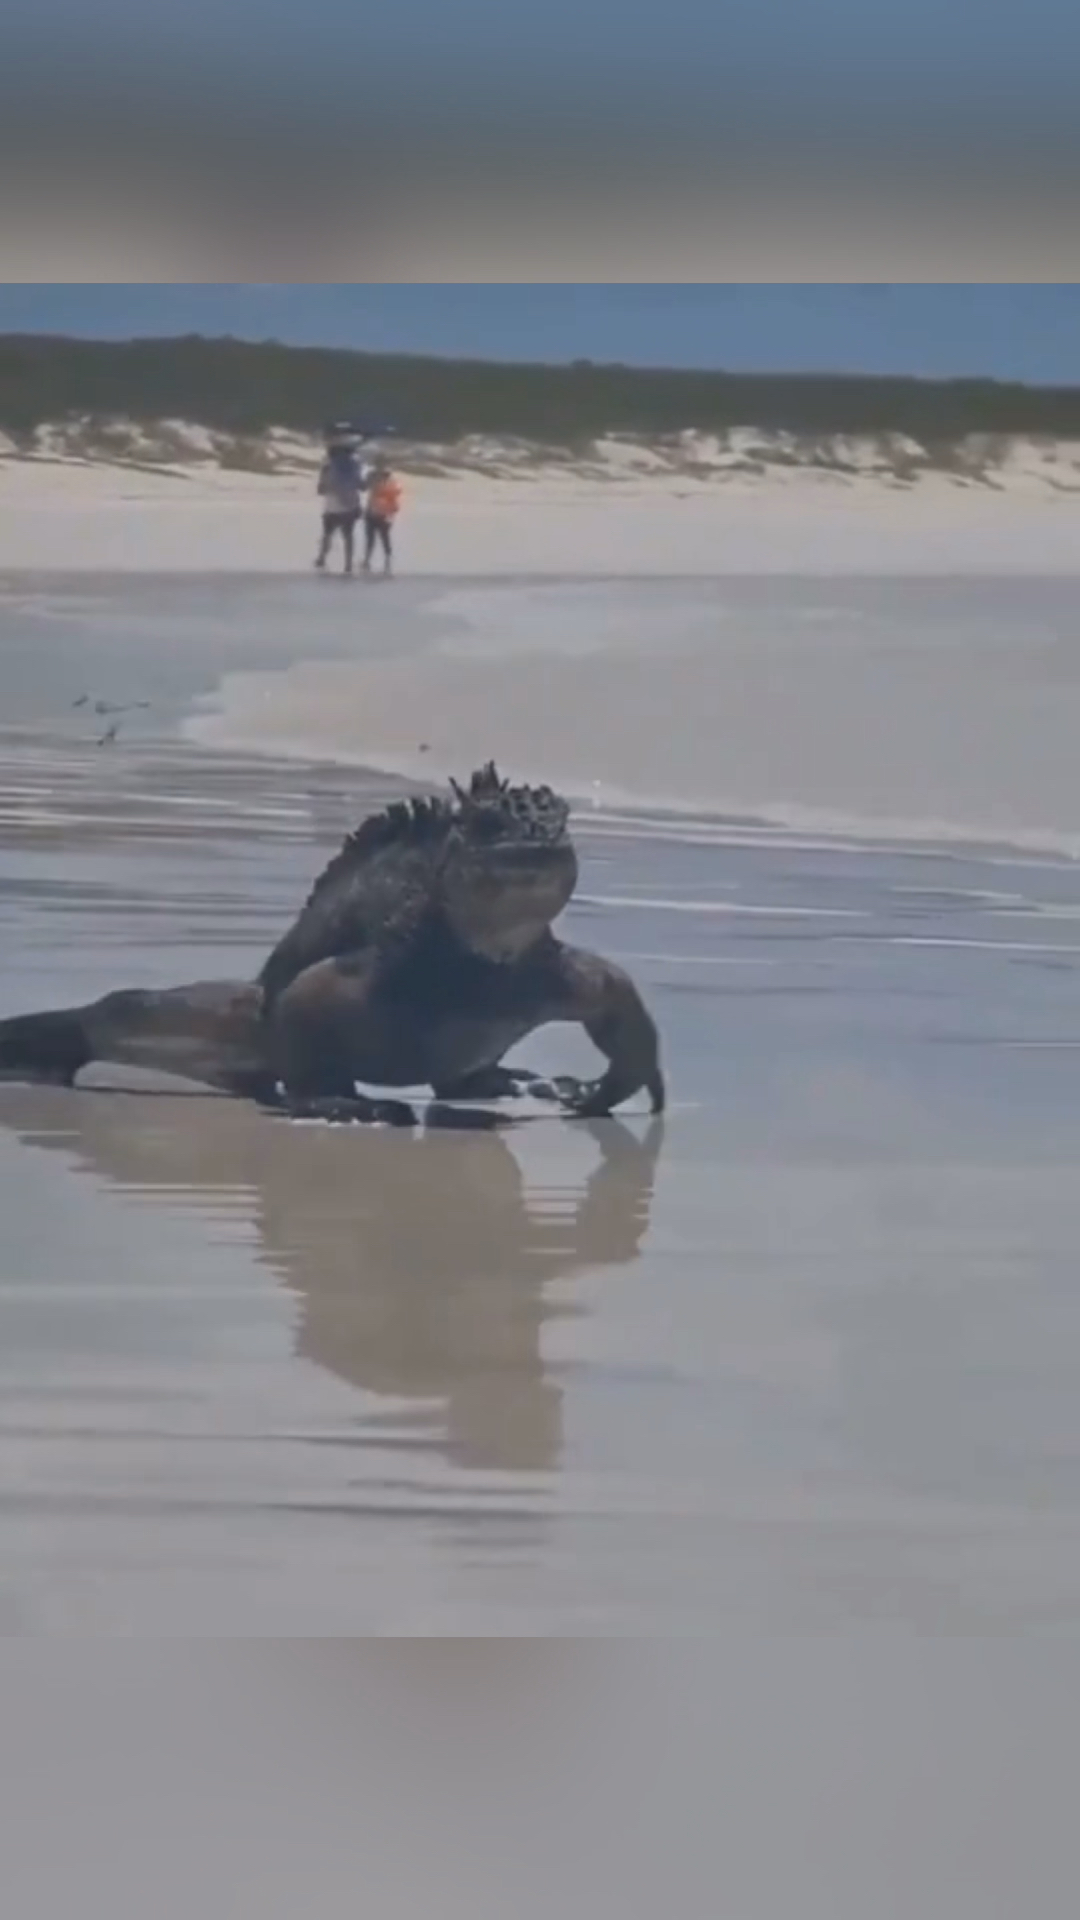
[[926, 710], [803, 1357]]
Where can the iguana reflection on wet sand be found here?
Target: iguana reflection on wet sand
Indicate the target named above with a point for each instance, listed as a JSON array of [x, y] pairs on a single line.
[[425, 1276], [423, 954]]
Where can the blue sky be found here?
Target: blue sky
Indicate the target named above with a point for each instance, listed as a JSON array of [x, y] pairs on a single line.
[[1010, 332]]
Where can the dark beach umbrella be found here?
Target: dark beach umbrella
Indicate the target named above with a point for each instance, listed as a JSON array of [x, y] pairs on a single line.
[[361, 429]]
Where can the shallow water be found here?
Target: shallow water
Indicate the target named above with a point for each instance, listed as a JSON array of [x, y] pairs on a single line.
[[933, 709], [938, 710], [804, 1355]]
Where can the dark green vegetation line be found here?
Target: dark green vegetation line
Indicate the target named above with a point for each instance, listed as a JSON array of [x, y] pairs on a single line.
[[243, 387]]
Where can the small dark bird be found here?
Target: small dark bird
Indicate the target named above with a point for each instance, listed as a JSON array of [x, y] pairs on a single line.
[[109, 734]]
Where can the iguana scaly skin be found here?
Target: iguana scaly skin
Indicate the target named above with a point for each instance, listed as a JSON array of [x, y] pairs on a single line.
[[422, 955]]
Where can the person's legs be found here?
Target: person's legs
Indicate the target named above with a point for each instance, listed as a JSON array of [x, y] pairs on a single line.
[[377, 528], [327, 536], [348, 535]]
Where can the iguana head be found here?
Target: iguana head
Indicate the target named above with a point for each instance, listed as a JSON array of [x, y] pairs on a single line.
[[509, 866]]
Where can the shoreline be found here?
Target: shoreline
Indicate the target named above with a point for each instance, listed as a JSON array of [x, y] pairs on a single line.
[[813, 714], [658, 817]]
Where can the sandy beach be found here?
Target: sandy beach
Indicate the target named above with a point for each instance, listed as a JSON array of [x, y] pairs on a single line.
[[800, 1357], [622, 513]]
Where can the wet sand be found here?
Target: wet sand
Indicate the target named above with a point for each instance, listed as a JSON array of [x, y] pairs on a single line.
[[478, 1780], [802, 1356]]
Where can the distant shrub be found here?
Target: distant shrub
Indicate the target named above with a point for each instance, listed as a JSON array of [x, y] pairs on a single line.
[[243, 388]]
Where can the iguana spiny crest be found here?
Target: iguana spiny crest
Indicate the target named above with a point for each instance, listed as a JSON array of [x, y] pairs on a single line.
[[494, 864]]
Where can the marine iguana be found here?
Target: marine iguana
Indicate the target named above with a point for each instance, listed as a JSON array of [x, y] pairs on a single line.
[[423, 954]]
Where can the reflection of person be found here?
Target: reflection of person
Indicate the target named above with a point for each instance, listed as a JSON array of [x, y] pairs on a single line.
[[383, 507], [423, 1268], [340, 486]]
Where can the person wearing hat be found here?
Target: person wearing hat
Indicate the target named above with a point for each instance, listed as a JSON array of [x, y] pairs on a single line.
[[341, 487]]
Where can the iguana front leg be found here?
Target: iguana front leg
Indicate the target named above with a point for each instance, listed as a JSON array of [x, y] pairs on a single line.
[[599, 996]]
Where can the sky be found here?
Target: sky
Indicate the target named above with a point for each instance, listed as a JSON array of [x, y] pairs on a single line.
[[1029, 333], [954, 51]]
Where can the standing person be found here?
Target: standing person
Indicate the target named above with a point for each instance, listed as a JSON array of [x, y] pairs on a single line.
[[340, 487], [383, 507]]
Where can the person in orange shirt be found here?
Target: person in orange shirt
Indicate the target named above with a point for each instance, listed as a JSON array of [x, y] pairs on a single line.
[[383, 507]]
